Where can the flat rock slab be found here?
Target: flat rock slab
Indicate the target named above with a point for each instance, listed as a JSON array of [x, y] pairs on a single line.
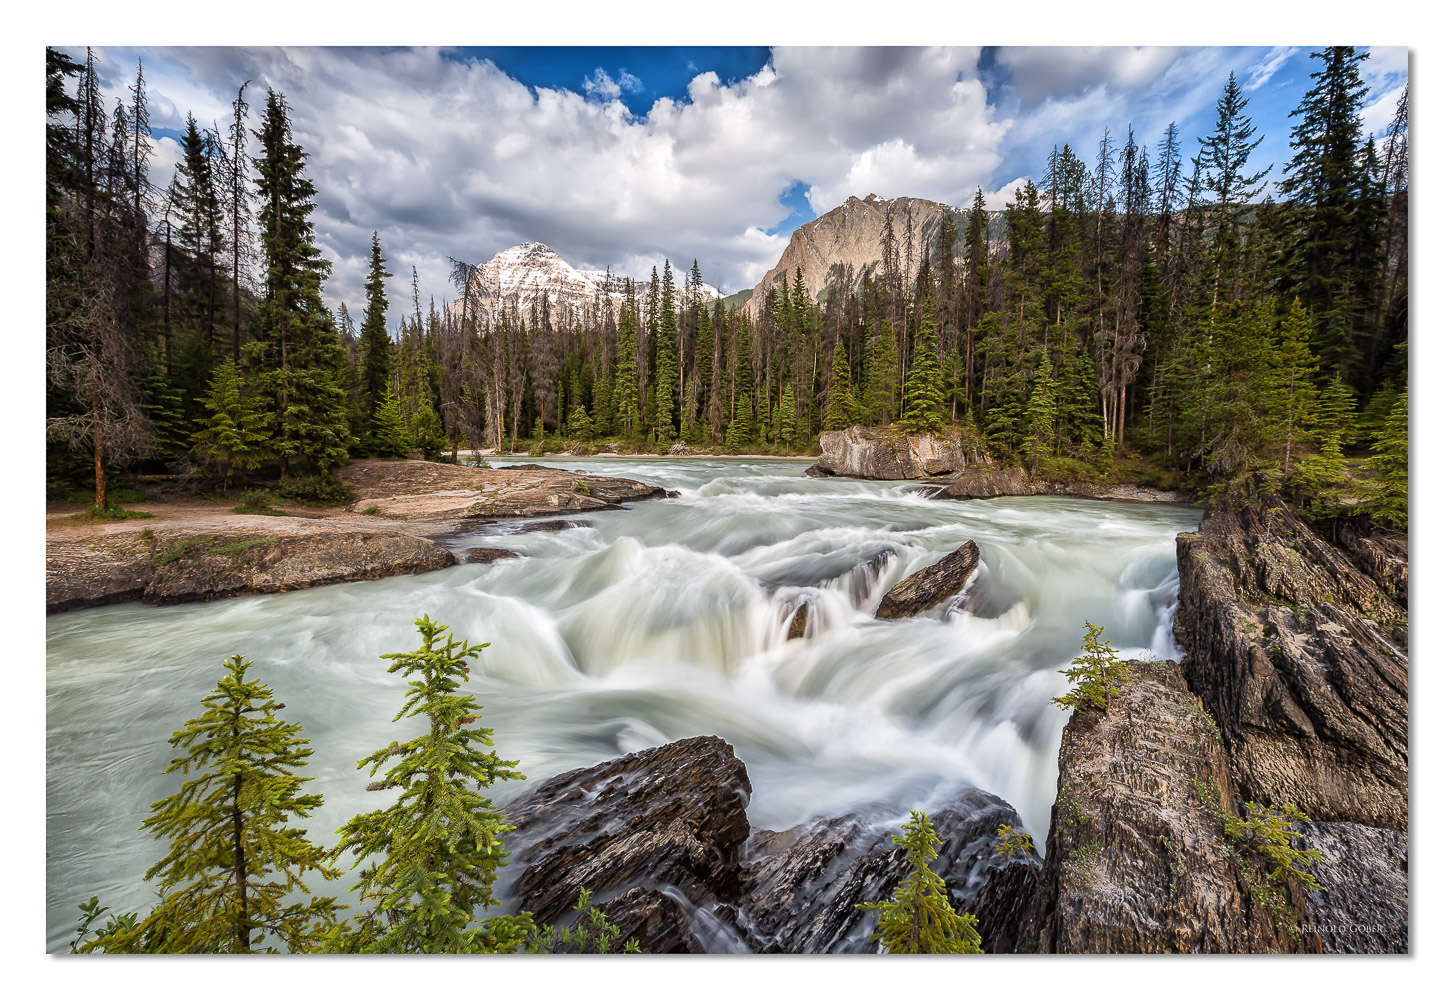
[[986, 483], [413, 490], [481, 555], [926, 588], [177, 566]]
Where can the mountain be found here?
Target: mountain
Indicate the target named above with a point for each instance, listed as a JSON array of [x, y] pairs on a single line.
[[529, 270], [849, 235]]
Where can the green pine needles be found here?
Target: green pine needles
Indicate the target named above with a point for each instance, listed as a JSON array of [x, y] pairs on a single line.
[[233, 858], [1095, 675], [430, 858], [919, 919]]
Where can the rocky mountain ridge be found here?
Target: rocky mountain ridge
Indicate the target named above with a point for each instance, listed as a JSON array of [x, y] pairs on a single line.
[[525, 272]]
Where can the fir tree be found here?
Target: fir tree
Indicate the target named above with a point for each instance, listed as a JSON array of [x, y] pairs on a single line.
[[1390, 497], [374, 335], [1040, 441], [842, 408], [233, 858], [295, 352], [923, 394], [919, 919], [391, 439], [431, 857], [233, 437], [1096, 675]]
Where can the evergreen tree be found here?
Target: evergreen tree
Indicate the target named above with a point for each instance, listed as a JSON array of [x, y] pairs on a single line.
[[1390, 497], [666, 358], [923, 394], [233, 437], [919, 919], [390, 438], [1224, 155], [1040, 441], [842, 407], [234, 859], [1297, 368], [431, 856], [374, 335], [298, 358], [626, 365]]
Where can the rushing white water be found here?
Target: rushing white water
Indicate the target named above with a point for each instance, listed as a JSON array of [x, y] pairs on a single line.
[[643, 626]]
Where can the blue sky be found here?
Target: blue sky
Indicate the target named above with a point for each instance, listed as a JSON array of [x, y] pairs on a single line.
[[620, 156]]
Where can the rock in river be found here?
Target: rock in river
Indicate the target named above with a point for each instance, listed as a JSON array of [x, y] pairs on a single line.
[[929, 586]]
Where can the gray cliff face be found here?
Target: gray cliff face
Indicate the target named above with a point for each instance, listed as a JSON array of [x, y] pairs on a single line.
[[848, 235]]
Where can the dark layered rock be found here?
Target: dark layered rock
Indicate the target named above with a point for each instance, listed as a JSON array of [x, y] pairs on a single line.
[[182, 566], [1378, 552], [890, 453], [802, 887], [1363, 907], [672, 816], [1136, 859], [526, 527], [926, 588], [661, 839], [1293, 648], [986, 483], [481, 555]]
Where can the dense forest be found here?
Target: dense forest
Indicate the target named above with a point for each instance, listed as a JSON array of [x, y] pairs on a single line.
[[1174, 318]]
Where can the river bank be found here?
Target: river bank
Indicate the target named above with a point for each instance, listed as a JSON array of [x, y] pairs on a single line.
[[199, 550]]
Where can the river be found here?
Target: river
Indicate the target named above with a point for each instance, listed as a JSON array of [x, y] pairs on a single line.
[[640, 627]]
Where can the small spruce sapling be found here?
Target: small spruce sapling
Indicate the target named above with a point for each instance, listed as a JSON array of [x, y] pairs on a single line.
[[1095, 675], [430, 858], [919, 919], [233, 857]]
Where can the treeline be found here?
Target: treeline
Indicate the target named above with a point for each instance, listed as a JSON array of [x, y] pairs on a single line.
[[1186, 317]]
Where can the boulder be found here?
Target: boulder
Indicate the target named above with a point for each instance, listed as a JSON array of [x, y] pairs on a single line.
[[921, 590], [802, 887], [1295, 651], [986, 483], [798, 627], [673, 816], [478, 555], [890, 453], [410, 490]]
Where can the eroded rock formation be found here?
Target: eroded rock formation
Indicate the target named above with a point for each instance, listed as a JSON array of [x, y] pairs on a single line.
[[926, 588]]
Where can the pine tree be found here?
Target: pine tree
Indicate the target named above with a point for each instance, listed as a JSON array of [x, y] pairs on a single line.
[[233, 437], [1224, 154], [919, 919], [431, 856], [390, 438], [374, 334], [1390, 496], [626, 365], [295, 351], [666, 358], [1297, 367], [923, 394], [1040, 440], [233, 858], [842, 408]]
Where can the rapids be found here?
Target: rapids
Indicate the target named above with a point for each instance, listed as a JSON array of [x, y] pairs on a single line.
[[640, 627]]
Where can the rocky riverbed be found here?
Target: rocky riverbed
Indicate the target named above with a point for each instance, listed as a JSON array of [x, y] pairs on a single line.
[[1293, 691]]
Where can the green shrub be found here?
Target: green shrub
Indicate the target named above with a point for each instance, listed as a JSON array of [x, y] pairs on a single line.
[[1011, 843], [919, 919], [256, 502], [1095, 675], [318, 491], [1080, 865], [1072, 809], [178, 548]]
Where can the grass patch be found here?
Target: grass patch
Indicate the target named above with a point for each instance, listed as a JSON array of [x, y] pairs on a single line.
[[240, 546], [147, 534], [371, 509], [109, 514], [178, 548], [1072, 809]]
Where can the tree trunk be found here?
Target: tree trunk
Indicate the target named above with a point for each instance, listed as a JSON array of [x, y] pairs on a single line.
[[239, 866]]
